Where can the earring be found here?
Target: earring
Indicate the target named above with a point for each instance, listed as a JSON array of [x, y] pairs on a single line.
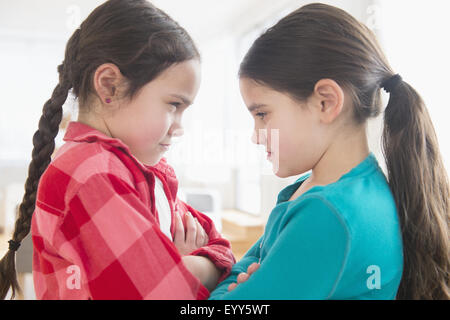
[[108, 100]]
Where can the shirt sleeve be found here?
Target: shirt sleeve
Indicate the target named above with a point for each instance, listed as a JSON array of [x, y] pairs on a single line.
[[241, 266], [121, 253], [306, 260], [218, 249]]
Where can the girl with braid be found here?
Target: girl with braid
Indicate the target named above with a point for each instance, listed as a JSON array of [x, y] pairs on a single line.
[[104, 215], [344, 230]]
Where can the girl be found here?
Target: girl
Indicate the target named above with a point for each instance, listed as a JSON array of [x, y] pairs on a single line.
[[343, 231], [107, 222]]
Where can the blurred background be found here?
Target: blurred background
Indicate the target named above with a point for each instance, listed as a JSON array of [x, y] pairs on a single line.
[[220, 171]]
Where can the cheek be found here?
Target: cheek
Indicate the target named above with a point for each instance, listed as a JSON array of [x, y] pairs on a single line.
[[151, 132], [148, 129], [299, 142]]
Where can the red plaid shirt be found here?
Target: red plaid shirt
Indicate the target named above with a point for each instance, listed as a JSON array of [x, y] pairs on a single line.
[[96, 232]]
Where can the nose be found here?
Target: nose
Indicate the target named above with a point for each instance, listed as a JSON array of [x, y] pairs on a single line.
[[176, 130]]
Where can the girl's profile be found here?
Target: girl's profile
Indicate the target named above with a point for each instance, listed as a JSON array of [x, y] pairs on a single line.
[[344, 230], [103, 211]]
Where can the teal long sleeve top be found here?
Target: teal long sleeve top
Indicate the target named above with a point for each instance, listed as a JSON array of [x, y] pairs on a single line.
[[339, 241]]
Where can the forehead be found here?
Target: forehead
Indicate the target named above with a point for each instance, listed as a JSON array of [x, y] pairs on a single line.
[[251, 89], [258, 95], [183, 78]]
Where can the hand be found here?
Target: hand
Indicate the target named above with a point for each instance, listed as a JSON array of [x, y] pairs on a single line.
[[242, 277], [192, 238]]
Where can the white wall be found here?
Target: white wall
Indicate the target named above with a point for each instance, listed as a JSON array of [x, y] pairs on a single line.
[[415, 35]]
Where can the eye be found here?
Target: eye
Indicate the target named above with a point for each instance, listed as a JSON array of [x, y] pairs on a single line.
[[175, 104], [261, 115]]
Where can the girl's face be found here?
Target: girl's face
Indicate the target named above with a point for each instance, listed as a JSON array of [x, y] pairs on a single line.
[[149, 122], [291, 132]]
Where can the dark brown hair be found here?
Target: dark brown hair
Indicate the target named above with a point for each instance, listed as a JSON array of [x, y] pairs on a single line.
[[320, 41], [142, 41]]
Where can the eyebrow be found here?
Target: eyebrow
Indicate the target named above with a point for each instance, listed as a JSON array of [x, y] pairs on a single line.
[[185, 100], [255, 106]]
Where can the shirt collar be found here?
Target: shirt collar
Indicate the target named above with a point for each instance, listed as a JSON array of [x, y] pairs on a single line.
[[80, 132]]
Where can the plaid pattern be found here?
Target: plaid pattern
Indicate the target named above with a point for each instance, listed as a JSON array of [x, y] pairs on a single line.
[[96, 232]]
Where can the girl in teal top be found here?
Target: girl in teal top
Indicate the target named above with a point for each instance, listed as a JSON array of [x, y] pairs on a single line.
[[326, 245], [344, 230]]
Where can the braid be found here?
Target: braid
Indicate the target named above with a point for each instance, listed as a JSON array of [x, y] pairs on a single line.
[[44, 145]]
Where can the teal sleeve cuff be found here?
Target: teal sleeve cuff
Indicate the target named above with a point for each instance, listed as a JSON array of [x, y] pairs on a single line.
[[241, 266]]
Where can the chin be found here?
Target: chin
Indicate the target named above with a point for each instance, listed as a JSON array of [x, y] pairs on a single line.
[[280, 172], [150, 161], [283, 174], [155, 162]]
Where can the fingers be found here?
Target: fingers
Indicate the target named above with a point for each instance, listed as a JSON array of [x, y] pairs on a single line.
[[190, 235], [179, 236], [252, 268], [191, 230], [242, 277], [202, 237], [232, 286]]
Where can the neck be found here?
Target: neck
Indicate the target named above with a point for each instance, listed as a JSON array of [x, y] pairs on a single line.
[[345, 153], [94, 122]]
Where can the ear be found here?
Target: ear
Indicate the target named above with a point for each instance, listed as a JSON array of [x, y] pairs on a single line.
[[107, 78], [329, 99]]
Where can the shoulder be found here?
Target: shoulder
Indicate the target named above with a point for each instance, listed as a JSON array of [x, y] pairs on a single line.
[[316, 209], [359, 200], [364, 206], [74, 165], [81, 160]]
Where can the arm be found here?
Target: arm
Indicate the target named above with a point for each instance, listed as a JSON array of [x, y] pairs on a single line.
[[305, 261], [202, 268], [250, 257], [122, 254], [189, 237]]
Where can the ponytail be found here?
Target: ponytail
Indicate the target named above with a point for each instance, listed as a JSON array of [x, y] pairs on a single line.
[[420, 187]]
